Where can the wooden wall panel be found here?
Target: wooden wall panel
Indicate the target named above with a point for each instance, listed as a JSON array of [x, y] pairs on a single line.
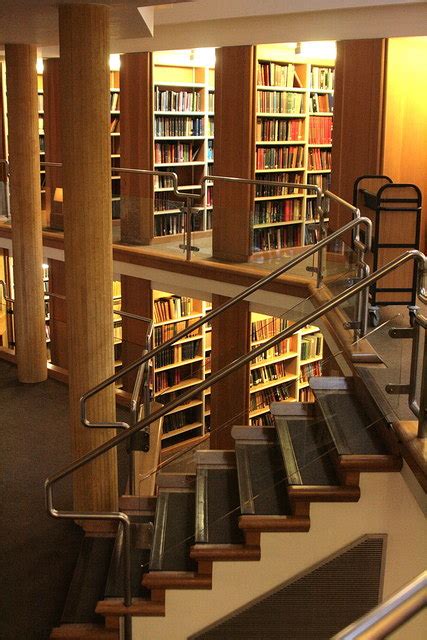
[[358, 117], [405, 140], [235, 90], [136, 146], [229, 398]]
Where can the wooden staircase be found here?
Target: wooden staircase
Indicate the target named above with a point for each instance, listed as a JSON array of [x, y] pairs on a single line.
[[315, 453]]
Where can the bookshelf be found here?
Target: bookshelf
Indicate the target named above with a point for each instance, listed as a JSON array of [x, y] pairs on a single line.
[[115, 140], [294, 107], [183, 130], [281, 373], [40, 108], [181, 366]]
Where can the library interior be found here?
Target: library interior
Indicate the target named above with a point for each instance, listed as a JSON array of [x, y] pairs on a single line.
[[213, 319]]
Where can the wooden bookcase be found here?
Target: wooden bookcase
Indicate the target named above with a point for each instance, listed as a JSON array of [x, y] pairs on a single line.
[[115, 140], [282, 373], [294, 104], [183, 140], [40, 106]]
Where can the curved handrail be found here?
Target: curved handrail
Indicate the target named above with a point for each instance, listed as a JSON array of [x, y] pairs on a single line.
[[353, 224], [389, 615], [413, 254]]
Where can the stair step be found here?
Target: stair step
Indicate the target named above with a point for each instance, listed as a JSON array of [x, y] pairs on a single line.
[[261, 473], [174, 530], [177, 580], [274, 523], [217, 499], [139, 607], [224, 552], [83, 632], [352, 429]]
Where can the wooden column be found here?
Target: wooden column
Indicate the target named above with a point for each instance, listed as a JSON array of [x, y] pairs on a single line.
[[358, 118], [84, 97], [229, 398], [235, 90], [52, 135], [136, 121], [137, 299], [26, 213]]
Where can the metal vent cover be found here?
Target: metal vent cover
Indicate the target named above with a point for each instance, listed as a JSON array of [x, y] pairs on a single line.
[[315, 605]]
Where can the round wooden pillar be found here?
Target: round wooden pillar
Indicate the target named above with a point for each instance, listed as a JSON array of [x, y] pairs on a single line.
[[24, 159], [84, 109]]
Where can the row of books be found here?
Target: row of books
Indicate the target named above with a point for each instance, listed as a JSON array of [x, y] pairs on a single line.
[[263, 190], [115, 125], [209, 196], [322, 180], [311, 212], [319, 159], [275, 74], [211, 101], [310, 370], [267, 328], [170, 378], [181, 419], [163, 182], [169, 224], [279, 102], [277, 211], [41, 124], [323, 103], [178, 126], [167, 100], [271, 129], [163, 202], [280, 349], [177, 354], [211, 126], [265, 420], [279, 157], [270, 372], [277, 238], [322, 78], [115, 101], [320, 130], [175, 152], [210, 150], [306, 395], [264, 398], [167, 331], [172, 308], [311, 346]]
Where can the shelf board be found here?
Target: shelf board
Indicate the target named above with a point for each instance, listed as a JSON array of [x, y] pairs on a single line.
[[267, 114], [273, 383], [179, 137], [192, 317], [308, 330], [310, 360], [179, 164], [312, 90], [281, 170], [115, 133], [275, 143], [192, 339], [166, 211], [115, 112], [115, 89], [320, 144], [285, 197], [115, 155], [185, 85], [176, 432], [303, 385], [265, 225], [286, 356], [321, 113], [181, 187], [318, 171], [181, 363], [185, 384], [270, 87], [179, 113], [184, 407]]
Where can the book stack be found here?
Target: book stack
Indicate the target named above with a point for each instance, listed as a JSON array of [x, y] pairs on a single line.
[[321, 103], [166, 100], [274, 74], [276, 130], [172, 308], [166, 153], [272, 239], [277, 211], [319, 159], [265, 190], [311, 346], [322, 78], [308, 371], [320, 130], [267, 373], [279, 157], [178, 126], [279, 102]]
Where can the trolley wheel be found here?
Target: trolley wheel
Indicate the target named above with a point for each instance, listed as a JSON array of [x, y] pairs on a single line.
[[412, 314], [374, 316]]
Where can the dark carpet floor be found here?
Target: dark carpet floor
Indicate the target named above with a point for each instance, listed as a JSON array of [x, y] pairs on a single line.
[[38, 553]]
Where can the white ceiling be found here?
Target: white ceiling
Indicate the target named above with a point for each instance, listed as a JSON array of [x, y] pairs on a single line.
[[138, 25]]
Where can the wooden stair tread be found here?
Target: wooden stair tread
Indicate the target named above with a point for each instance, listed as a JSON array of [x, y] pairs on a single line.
[[83, 631], [371, 463], [177, 580], [221, 552], [324, 493], [274, 523], [139, 607]]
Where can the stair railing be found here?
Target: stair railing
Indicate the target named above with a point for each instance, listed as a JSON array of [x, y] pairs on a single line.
[[411, 255], [389, 615]]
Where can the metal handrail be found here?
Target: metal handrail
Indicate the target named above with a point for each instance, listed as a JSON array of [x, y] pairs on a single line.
[[353, 224], [413, 254], [389, 615]]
